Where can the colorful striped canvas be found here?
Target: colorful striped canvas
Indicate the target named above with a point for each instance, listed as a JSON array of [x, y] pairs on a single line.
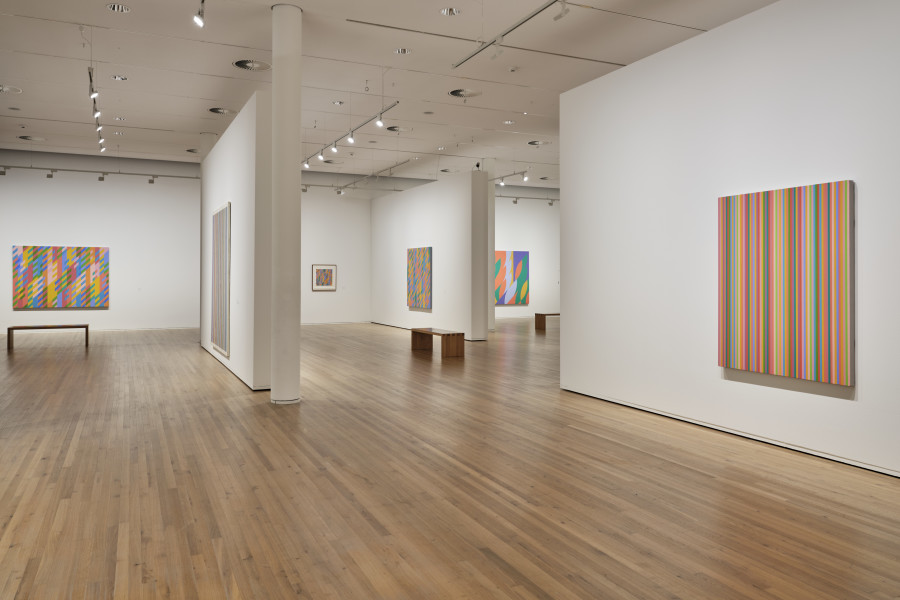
[[221, 280], [60, 277], [510, 277], [323, 277], [418, 277], [786, 279]]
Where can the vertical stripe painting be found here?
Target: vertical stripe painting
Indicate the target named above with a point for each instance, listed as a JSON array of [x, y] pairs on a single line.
[[47, 277], [510, 277], [221, 280], [786, 279], [418, 277]]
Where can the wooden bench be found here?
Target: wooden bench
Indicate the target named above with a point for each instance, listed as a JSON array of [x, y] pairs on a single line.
[[540, 319], [14, 328], [452, 342]]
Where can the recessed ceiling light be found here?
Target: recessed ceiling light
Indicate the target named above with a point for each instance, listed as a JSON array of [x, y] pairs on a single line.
[[121, 119], [509, 122], [248, 64], [373, 141], [464, 93], [440, 147], [14, 108], [9, 89], [118, 7], [538, 142], [119, 77], [450, 11], [428, 112], [119, 133], [32, 138], [402, 51], [337, 102], [399, 129], [193, 150], [220, 111]]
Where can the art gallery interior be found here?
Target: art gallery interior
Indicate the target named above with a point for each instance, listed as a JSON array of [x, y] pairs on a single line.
[[610, 456]]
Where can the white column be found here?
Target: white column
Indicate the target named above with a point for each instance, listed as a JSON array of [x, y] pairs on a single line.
[[287, 35], [488, 165], [478, 322]]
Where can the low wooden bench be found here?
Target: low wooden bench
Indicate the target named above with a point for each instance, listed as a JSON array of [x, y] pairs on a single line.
[[540, 319], [14, 328], [452, 342]]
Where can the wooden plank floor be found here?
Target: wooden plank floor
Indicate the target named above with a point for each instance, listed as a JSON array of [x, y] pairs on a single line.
[[140, 468]]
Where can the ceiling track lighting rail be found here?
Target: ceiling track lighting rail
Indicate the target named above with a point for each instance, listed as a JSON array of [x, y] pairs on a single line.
[[349, 135], [100, 173], [375, 174], [93, 94], [498, 39], [545, 198], [524, 175]]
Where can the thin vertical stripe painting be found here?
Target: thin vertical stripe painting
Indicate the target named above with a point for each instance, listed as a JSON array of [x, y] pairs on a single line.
[[221, 280], [48, 277], [418, 277], [510, 277], [786, 282]]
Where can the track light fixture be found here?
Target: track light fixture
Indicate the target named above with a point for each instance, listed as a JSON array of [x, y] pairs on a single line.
[[525, 176], [349, 135], [99, 127], [2, 170], [50, 174], [550, 203], [94, 94], [502, 183], [198, 18], [152, 179], [103, 149], [515, 200], [101, 141], [96, 113], [102, 177]]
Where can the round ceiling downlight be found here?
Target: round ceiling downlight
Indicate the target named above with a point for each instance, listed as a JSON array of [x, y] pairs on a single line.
[[248, 64], [120, 8], [224, 111], [464, 93], [509, 122]]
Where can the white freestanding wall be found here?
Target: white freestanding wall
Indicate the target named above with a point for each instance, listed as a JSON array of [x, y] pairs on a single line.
[[449, 215], [531, 225], [238, 170], [800, 92], [151, 231], [337, 231]]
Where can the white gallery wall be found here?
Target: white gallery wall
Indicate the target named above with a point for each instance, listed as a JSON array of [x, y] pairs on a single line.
[[444, 215], [152, 232], [531, 225], [336, 230], [238, 170], [800, 92]]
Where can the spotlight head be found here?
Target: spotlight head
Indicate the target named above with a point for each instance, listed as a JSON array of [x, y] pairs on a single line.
[[152, 180], [101, 141], [96, 114], [305, 164], [525, 177], [94, 94], [2, 170], [350, 139], [339, 192], [379, 122], [515, 200], [102, 177], [502, 183], [198, 19], [99, 127], [320, 156], [334, 147], [102, 149]]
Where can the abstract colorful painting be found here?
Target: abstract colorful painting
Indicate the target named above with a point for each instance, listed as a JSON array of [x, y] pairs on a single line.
[[60, 277], [510, 277], [221, 280], [786, 279], [324, 278], [418, 277]]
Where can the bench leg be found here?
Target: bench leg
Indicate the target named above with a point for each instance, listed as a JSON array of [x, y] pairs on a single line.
[[9, 338], [421, 341], [85, 337], [540, 321], [452, 345]]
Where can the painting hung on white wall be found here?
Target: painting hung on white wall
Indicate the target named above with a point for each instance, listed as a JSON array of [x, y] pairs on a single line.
[[324, 278], [221, 283]]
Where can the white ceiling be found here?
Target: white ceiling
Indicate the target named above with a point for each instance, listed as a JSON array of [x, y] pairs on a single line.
[[176, 72]]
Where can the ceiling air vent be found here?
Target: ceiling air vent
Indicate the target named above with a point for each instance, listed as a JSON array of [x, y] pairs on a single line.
[[120, 8], [538, 143], [224, 111], [252, 65], [399, 129], [465, 93], [9, 89], [32, 138]]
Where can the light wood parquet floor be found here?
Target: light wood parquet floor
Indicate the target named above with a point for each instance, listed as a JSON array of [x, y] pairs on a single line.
[[141, 468]]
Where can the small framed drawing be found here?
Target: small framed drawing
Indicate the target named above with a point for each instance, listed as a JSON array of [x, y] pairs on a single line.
[[324, 278]]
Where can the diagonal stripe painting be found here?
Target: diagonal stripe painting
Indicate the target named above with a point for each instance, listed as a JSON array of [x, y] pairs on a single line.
[[60, 277], [418, 277], [786, 282], [510, 277]]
